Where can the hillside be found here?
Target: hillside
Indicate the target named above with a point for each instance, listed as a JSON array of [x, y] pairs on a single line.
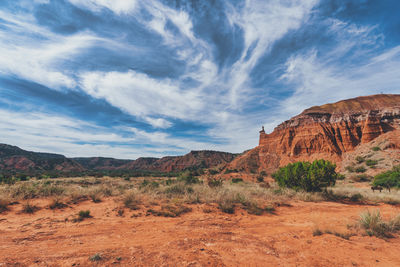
[[330, 131], [194, 159], [15, 159]]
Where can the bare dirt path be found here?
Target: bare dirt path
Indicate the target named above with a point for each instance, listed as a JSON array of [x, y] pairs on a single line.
[[197, 238]]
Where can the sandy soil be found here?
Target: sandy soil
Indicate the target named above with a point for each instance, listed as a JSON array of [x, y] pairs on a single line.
[[198, 238]]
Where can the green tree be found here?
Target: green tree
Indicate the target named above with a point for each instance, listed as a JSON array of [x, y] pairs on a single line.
[[307, 176]]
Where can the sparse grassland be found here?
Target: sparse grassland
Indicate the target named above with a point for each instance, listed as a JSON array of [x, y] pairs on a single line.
[[145, 193]]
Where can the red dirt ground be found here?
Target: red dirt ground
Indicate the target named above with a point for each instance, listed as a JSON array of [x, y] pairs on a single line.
[[198, 238]]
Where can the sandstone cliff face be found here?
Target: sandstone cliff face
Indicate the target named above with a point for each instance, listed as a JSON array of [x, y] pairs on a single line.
[[327, 132]]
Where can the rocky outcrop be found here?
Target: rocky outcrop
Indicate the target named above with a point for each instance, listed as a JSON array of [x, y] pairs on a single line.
[[327, 131]]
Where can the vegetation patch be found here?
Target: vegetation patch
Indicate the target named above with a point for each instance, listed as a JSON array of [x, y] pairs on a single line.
[[82, 215], [4, 205], [371, 163], [360, 159], [388, 179], [361, 178], [131, 201], [215, 182], [170, 210], [29, 208], [360, 169], [310, 177], [236, 180], [374, 225], [57, 203], [376, 148], [96, 257]]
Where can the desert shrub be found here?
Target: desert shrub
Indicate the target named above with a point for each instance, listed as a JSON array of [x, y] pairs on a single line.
[[83, 214], [96, 257], [388, 179], [376, 148], [131, 201], [227, 171], [236, 180], [95, 196], [349, 168], [260, 179], [188, 178], [307, 176], [317, 232], [4, 205], [360, 159], [178, 189], [371, 163], [149, 185], [29, 208], [356, 197], [341, 176], [170, 210], [57, 203], [226, 206], [255, 209], [374, 225], [361, 178], [169, 181], [360, 169], [212, 172], [215, 182], [77, 197]]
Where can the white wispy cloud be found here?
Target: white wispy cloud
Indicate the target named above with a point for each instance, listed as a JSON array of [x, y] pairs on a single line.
[[142, 96], [319, 77], [263, 23], [118, 6], [34, 53]]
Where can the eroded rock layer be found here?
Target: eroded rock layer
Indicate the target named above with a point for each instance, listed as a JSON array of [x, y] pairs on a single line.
[[327, 131]]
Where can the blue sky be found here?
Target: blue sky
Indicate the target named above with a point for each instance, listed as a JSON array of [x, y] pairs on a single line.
[[131, 78]]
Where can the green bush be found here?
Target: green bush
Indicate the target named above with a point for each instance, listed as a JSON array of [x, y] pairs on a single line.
[[307, 176], [215, 182], [371, 162], [360, 169], [360, 159], [349, 168], [388, 179], [260, 179], [376, 148], [236, 180], [361, 178], [188, 178]]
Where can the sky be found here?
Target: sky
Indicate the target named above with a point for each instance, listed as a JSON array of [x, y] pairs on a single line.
[[132, 78]]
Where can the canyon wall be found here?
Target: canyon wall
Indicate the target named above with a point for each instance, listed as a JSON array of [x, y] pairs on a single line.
[[327, 132]]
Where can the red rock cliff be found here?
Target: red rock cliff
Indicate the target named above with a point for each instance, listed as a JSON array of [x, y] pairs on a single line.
[[326, 131]]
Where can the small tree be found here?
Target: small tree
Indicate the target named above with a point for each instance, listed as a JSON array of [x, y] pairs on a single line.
[[388, 179], [307, 176]]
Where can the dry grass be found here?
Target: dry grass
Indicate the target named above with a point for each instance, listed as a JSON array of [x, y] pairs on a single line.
[[253, 197], [29, 208], [374, 225], [4, 204]]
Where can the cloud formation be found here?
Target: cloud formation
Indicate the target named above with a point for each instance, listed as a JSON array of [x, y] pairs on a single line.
[[128, 78]]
